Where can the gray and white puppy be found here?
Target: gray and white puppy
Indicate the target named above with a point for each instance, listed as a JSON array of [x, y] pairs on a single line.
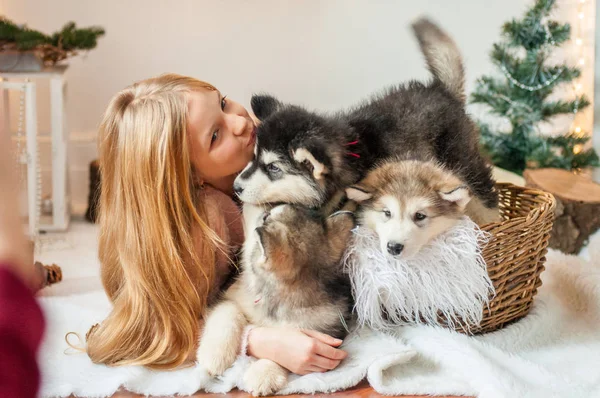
[[291, 276], [304, 157]]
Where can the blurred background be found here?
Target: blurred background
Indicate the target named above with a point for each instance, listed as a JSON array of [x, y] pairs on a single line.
[[326, 55]]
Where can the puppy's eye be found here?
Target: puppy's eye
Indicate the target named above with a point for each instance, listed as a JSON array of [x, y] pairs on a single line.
[[420, 216], [272, 168], [387, 213]]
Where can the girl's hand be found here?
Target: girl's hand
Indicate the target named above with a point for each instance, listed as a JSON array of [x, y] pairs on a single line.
[[299, 351]]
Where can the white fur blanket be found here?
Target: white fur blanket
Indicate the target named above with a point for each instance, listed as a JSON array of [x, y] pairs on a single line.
[[553, 352], [449, 276]]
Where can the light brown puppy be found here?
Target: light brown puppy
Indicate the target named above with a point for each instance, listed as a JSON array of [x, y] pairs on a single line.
[[410, 202]]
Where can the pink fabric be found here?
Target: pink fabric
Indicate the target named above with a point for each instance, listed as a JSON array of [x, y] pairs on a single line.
[[21, 329], [225, 218]]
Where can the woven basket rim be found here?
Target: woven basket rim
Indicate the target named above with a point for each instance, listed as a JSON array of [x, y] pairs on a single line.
[[513, 261], [534, 213]]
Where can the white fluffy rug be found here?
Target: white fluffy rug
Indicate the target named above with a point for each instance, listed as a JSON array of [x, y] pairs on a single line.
[[553, 352], [447, 276]]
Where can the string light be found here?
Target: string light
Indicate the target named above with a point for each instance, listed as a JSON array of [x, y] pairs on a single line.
[[578, 86], [531, 88], [549, 81]]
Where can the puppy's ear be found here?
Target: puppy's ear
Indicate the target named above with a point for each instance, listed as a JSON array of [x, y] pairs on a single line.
[[458, 194], [313, 158], [358, 193], [263, 105], [262, 241]]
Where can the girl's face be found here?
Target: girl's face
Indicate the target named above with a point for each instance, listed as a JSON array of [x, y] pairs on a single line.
[[222, 136]]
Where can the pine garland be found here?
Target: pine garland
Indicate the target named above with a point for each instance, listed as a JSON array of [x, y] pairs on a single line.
[[521, 95], [49, 48]]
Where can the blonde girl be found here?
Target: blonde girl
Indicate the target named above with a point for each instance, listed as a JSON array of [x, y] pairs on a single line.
[[170, 149]]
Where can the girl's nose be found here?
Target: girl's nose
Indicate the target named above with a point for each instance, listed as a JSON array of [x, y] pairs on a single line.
[[237, 124]]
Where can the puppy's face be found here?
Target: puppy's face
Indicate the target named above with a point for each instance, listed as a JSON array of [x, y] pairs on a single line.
[[408, 204], [278, 177], [293, 237], [293, 157]]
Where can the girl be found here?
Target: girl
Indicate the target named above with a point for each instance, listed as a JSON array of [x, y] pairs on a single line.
[[170, 149]]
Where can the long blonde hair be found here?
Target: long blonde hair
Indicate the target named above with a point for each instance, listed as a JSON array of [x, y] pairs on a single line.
[[152, 271]]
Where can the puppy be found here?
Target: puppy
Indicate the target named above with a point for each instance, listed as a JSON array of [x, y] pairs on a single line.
[[291, 277], [408, 203], [401, 272], [306, 158]]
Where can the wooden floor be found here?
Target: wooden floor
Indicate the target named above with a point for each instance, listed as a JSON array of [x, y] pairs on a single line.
[[363, 390]]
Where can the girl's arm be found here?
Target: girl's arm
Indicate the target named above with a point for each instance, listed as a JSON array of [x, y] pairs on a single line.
[[21, 329], [299, 351], [21, 321]]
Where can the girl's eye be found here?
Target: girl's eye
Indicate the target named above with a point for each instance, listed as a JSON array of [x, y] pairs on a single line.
[[223, 103], [214, 137]]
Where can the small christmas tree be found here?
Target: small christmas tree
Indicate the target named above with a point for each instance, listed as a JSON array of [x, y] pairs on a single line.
[[522, 97], [50, 48]]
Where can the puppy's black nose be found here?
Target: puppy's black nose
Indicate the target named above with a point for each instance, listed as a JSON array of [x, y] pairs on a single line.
[[395, 248], [238, 189]]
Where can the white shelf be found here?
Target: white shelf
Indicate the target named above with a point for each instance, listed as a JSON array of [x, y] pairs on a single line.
[[59, 140], [44, 73]]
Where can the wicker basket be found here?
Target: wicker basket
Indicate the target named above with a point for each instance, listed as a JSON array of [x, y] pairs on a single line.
[[515, 254]]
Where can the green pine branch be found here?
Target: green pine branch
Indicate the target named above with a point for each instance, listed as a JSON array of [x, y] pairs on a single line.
[[568, 141], [8, 30], [541, 8], [529, 32], [561, 33], [30, 39], [587, 158], [69, 38], [566, 152], [532, 36], [559, 107]]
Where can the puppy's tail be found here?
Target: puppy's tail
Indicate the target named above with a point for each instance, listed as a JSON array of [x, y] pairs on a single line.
[[442, 56]]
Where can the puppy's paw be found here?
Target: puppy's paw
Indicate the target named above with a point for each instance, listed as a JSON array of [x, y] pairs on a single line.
[[264, 377], [215, 358], [221, 338]]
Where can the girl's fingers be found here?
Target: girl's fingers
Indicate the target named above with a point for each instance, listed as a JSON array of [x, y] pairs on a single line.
[[330, 352], [325, 363], [325, 338], [312, 369]]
